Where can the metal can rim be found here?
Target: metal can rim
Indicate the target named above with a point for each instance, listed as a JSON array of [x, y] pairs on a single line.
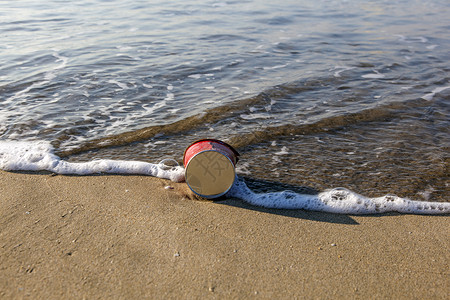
[[235, 152]]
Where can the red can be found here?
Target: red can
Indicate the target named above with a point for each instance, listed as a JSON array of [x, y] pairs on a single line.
[[210, 167]]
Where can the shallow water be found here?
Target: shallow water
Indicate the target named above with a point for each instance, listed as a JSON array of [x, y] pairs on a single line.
[[38, 156], [320, 94]]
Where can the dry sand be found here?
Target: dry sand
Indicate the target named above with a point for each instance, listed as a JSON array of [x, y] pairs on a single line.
[[128, 237]]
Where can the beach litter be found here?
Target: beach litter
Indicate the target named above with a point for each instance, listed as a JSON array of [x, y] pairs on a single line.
[[210, 167]]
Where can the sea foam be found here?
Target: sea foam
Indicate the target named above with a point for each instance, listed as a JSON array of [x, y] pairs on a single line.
[[337, 200], [37, 156], [430, 96]]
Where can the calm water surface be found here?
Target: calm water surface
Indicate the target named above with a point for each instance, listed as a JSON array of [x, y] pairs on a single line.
[[312, 93]]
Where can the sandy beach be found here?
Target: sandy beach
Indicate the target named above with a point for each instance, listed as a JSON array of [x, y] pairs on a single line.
[[138, 237]]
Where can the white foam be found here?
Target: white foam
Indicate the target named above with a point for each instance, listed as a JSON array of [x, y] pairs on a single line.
[[150, 109], [430, 96], [195, 76], [174, 110], [412, 39], [341, 69], [119, 84], [375, 75], [422, 39], [61, 59], [338, 200], [243, 168], [170, 96], [283, 151], [38, 156], [254, 116]]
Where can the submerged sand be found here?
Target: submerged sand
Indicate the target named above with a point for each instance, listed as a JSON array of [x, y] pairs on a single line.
[[134, 237]]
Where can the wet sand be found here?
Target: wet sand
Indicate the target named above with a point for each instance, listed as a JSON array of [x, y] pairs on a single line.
[[126, 237]]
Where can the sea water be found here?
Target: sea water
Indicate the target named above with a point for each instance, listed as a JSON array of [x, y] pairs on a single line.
[[318, 94]]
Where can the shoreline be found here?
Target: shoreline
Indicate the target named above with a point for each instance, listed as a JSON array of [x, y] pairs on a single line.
[[130, 236]]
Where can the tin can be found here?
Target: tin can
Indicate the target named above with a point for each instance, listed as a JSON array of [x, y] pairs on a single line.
[[210, 167]]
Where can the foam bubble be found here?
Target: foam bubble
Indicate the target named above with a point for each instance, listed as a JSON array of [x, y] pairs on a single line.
[[338, 200], [37, 156]]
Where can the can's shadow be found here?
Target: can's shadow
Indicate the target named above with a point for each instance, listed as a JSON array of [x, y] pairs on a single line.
[[266, 186]]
